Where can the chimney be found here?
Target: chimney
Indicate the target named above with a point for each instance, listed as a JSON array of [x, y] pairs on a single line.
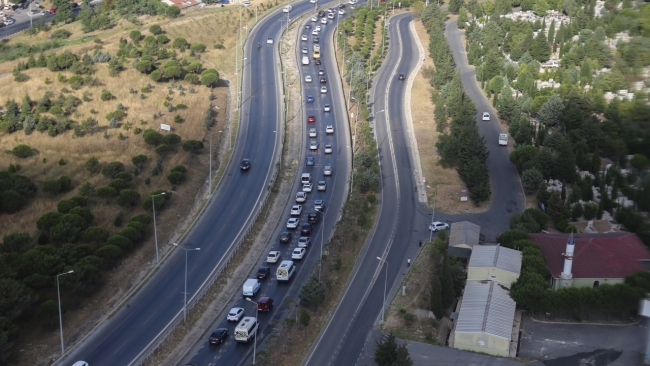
[[568, 260]]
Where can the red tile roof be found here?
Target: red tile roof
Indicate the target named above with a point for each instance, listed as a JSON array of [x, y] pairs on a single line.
[[611, 255], [183, 4]]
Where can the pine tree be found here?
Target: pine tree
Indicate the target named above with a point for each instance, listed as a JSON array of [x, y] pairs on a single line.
[[447, 284], [540, 49], [42, 61], [386, 352], [462, 17], [402, 356], [436, 296], [551, 32]]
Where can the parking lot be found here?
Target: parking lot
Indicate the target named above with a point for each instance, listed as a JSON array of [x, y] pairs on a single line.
[[583, 344]]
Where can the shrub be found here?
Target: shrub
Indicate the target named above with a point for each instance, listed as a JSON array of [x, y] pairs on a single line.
[[118, 184], [127, 177], [106, 192], [111, 169], [141, 218], [178, 119], [171, 139], [152, 137], [92, 165], [20, 77], [22, 151], [176, 178], [61, 34], [156, 198], [84, 213], [117, 114], [48, 220], [162, 149], [179, 42], [139, 159], [106, 95], [64, 206], [155, 29], [193, 146], [197, 47], [110, 253], [179, 168], [181, 106], [95, 234], [128, 198]]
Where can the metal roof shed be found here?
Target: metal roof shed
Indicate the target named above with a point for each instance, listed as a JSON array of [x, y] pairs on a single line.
[[464, 234], [494, 263]]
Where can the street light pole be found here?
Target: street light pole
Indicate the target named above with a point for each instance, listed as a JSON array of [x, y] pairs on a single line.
[[383, 309], [58, 293], [185, 292], [257, 308], [155, 232], [433, 213]]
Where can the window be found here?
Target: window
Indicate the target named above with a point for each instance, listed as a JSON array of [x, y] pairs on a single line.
[[596, 283]]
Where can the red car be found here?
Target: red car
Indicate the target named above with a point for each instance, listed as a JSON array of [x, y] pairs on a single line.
[[53, 11], [311, 119]]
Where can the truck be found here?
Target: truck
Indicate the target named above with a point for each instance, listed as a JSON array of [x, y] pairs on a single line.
[[305, 60], [503, 139], [250, 287], [316, 54], [285, 271], [246, 329]]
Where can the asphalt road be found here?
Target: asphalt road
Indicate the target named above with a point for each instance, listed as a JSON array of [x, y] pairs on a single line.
[[24, 20], [400, 217], [122, 339], [232, 352]]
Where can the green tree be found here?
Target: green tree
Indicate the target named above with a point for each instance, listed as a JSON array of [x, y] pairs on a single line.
[[540, 49], [312, 292], [492, 65], [551, 112], [95, 234], [22, 150], [531, 179], [48, 312], [540, 8], [386, 351], [172, 12], [156, 75], [455, 5], [179, 42], [209, 77], [16, 243], [111, 169], [209, 117], [402, 357], [155, 29], [462, 17], [15, 298], [152, 137], [193, 146], [551, 32], [128, 198]]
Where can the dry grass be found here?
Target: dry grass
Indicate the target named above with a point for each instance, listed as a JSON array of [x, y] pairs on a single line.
[[401, 317], [38, 344], [446, 181]]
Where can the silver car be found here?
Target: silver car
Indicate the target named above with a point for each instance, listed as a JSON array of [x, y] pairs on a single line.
[[313, 132], [327, 108], [327, 170], [322, 185], [323, 90], [313, 145], [328, 149]]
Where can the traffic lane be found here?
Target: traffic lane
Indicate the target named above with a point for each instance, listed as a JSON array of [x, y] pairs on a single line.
[[507, 195], [337, 330], [405, 219], [216, 222]]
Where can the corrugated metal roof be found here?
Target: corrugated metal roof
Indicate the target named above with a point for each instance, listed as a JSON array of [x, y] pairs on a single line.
[[496, 256], [464, 232], [486, 308]]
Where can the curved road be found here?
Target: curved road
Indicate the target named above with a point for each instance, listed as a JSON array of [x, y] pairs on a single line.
[[231, 352], [123, 339]]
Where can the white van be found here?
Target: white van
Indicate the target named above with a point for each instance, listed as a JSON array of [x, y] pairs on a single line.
[[246, 329], [285, 271], [287, 9], [251, 286], [305, 178], [503, 139], [305, 60]]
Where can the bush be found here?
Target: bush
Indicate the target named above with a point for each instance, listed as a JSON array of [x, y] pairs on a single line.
[[171, 139], [139, 159], [155, 29], [92, 165], [176, 178], [193, 146], [111, 169], [128, 197], [179, 168], [22, 151], [106, 95], [61, 34], [64, 206], [95, 234], [48, 220], [110, 253], [118, 184], [197, 47], [159, 200], [152, 137], [141, 218], [106, 192], [590, 210], [162, 149]]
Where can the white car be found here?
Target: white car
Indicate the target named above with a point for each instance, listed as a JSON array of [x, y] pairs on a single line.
[[247, 3], [287, 9], [269, 41], [307, 187], [313, 132], [293, 223], [329, 129], [341, 12], [9, 22], [315, 32], [328, 149], [314, 19], [308, 79], [323, 90], [327, 108], [329, 15], [319, 205], [313, 1], [352, 2], [437, 225], [304, 38], [298, 253], [235, 314], [304, 241], [301, 197], [305, 50], [273, 257], [486, 116], [296, 210], [327, 170], [322, 185], [313, 145], [318, 28]]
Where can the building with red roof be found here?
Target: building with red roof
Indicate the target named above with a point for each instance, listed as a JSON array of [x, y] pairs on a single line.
[[589, 260]]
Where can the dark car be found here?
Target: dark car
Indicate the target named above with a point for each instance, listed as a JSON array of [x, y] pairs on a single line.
[[316, 39], [401, 77], [307, 26], [218, 336], [305, 229], [310, 161], [310, 99], [317, 61], [311, 118], [285, 237], [321, 13], [342, 6], [263, 272], [323, 80], [245, 164]]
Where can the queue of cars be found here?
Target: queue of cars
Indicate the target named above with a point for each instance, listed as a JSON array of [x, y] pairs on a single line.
[[303, 215]]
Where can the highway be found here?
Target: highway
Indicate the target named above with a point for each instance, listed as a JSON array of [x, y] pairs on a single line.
[[357, 312], [124, 337], [232, 352]]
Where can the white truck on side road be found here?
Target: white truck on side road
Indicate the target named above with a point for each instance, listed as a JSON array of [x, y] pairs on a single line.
[[246, 329], [503, 139]]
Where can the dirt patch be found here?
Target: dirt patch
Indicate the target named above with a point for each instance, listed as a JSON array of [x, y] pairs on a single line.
[[407, 316], [446, 181]]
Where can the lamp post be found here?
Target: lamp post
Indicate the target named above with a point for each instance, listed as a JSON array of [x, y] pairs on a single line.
[[210, 178], [185, 292], [383, 309], [255, 342], [322, 240], [433, 213], [155, 233], [58, 293]]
